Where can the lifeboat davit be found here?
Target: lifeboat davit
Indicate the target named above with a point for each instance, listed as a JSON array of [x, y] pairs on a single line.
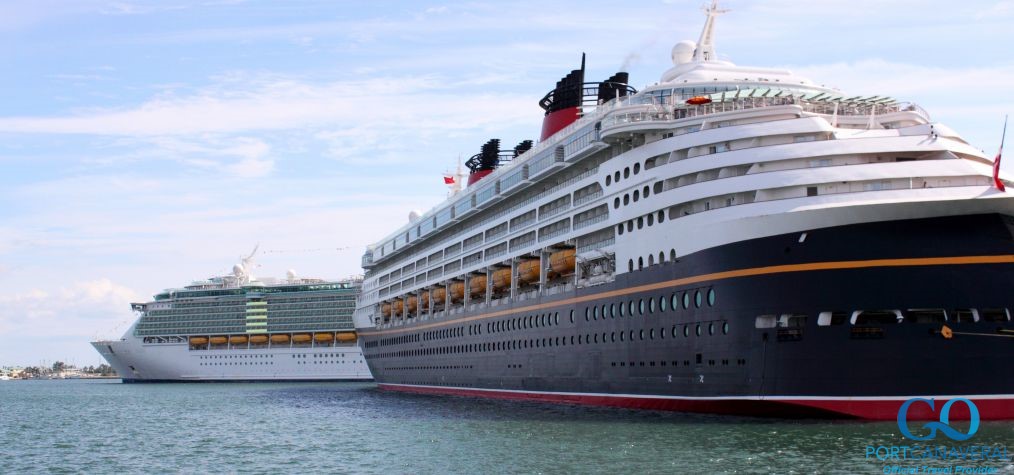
[[457, 291], [562, 262], [198, 340], [529, 271], [346, 336], [301, 338], [279, 338], [502, 278], [258, 339], [238, 339], [439, 295], [385, 310], [477, 286], [698, 100], [219, 340], [413, 303], [323, 337]]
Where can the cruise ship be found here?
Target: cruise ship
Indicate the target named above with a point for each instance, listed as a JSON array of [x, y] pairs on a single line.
[[733, 240], [239, 328]]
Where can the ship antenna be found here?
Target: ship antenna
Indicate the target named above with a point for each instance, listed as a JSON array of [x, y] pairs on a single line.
[[706, 44]]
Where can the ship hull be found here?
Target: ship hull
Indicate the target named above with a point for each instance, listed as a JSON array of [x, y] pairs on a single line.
[[760, 347], [139, 362]]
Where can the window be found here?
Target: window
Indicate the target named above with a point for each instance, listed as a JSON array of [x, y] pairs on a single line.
[[621, 309], [609, 180], [876, 317], [697, 329], [637, 168], [686, 331], [765, 321], [572, 316], [811, 191], [994, 315], [825, 319], [686, 300], [711, 328], [626, 172], [651, 305], [637, 195], [640, 307], [697, 299], [612, 310], [963, 315], [926, 315], [661, 303], [725, 328], [711, 297]]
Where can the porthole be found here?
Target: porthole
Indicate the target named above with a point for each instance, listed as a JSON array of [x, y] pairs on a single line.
[[595, 313], [725, 328], [619, 229], [711, 328], [640, 263], [651, 305], [616, 202], [651, 334], [672, 254], [586, 314], [661, 216], [640, 222], [626, 200], [674, 331], [686, 331], [640, 307], [626, 172], [651, 219], [630, 268], [651, 260], [556, 318], [661, 303], [572, 316], [612, 337], [674, 302], [595, 338], [637, 168], [646, 191], [697, 329], [630, 225], [640, 334], [697, 299], [616, 176], [621, 336], [711, 297], [637, 195], [630, 308], [612, 310], [604, 314], [686, 300], [609, 180]]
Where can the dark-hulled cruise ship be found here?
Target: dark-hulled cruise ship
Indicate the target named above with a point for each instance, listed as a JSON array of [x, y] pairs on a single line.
[[730, 240]]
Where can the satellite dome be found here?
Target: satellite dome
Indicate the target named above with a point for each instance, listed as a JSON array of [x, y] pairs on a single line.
[[683, 52], [414, 215], [238, 270], [291, 274]]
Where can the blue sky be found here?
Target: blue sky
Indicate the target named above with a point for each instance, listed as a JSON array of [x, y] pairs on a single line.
[[147, 144]]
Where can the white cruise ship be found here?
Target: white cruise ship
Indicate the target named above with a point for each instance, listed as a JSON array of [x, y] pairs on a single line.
[[730, 239], [239, 328]]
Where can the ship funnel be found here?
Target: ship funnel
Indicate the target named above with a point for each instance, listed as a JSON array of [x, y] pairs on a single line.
[[563, 105]]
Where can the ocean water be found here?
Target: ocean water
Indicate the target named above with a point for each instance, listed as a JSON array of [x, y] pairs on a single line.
[[106, 427]]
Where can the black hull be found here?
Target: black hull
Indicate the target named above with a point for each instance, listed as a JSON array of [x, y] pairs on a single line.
[[947, 263]]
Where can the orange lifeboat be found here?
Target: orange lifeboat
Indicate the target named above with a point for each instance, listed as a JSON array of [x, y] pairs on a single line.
[[301, 338], [346, 336], [413, 303], [323, 337], [424, 300], [219, 340], [502, 278], [439, 295], [397, 306], [698, 100], [385, 310], [258, 339], [529, 271], [562, 262], [279, 338], [238, 339], [198, 340], [457, 291], [477, 286]]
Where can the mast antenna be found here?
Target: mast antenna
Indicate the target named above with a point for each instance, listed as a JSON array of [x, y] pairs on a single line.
[[706, 44]]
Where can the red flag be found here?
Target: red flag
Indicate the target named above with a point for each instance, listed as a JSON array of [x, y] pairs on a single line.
[[448, 180], [996, 163]]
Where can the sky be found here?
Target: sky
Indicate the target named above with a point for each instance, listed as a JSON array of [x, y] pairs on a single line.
[[144, 145]]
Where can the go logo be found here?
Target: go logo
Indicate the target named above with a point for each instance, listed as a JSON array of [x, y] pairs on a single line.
[[943, 425]]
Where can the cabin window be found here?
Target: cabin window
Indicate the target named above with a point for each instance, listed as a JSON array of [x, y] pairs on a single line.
[[766, 321], [825, 319], [686, 300], [926, 315], [711, 297], [661, 303], [640, 307], [651, 305], [697, 299], [725, 328], [788, 320], [811, 191], [994, 315], [876, 317], [964, 315], [674, 301]]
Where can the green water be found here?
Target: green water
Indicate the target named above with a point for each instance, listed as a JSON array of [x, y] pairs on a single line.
[[108, 427]]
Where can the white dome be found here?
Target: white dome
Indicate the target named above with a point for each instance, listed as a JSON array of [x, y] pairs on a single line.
[[683, 52], [414, 215], [237, 270], [291, 274]]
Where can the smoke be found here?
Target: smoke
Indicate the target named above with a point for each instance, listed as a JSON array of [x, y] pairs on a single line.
[[631, 58]]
